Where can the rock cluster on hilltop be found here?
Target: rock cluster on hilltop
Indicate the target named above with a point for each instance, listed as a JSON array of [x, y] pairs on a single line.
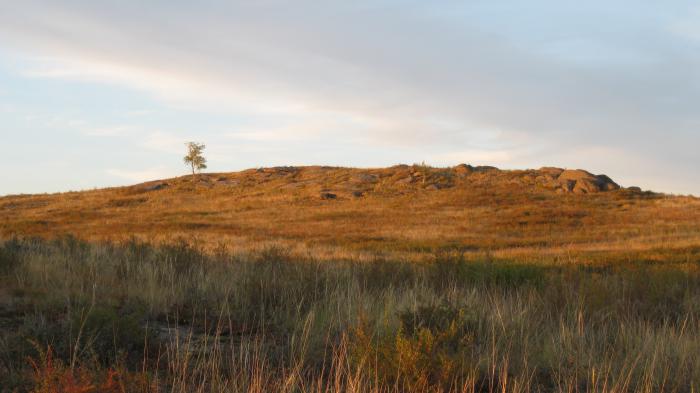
[[575, 181], [329, 183]]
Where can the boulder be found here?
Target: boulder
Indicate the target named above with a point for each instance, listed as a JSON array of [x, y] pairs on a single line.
[[328, 195], [485, 168], [463, 169], [365, 178], [154, 186], [582, 182], [436, 186], [551, 171]]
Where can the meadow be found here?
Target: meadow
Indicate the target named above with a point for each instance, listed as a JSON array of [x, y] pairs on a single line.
[[132, 317], [259, 282]]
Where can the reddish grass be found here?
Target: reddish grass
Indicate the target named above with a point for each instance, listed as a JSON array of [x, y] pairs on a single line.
[[499, 214]]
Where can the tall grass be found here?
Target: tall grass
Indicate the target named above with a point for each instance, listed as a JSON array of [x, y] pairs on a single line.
[[134, 317]]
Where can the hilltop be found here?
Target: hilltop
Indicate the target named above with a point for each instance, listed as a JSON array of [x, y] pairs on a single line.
[[402, 211], [407, 278]]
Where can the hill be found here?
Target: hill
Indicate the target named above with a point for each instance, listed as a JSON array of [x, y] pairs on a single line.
[[407, 212], [316, 279]]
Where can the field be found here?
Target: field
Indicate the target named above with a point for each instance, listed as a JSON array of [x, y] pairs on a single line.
[[403, 279]]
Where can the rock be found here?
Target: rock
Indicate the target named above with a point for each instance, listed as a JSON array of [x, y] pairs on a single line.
[[567, 185], [280, 170], [547, 180], [358, 194], [582, 182], [527, 179], [466, 168], [405, 180], [328, 195], [634, 189], [155, 186], [551, 171], [286, 169], [485, 169], [463, 169], [607, 183], [436, 186], [365, 178]]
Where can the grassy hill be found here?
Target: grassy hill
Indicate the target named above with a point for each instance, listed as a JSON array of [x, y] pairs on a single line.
[[328, 280], [406, 212]]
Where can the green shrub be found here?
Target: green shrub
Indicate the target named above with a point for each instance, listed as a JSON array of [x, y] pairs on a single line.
[[10, 254], [431, 350]]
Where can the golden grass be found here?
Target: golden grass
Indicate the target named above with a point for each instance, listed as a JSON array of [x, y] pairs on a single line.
[[504, 214], [99, 317], [413, 279]]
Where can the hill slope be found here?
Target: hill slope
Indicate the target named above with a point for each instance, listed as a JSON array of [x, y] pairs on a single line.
[[407, 212]]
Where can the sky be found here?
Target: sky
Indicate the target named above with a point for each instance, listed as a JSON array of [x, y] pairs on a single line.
[[106, 93]]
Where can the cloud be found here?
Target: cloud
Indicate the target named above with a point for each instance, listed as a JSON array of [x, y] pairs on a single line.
[[163, 142], [688, 26], [108, 131], [143, 137], [500, 82], [498, 157], [139, 112], [155, 173]]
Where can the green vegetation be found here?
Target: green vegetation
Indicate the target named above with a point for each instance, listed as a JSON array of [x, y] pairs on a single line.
[[194, 158], [134, 317]]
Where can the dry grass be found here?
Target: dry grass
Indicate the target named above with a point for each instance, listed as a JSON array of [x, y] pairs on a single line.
[[506, 214], [485, 282], [102, 317]]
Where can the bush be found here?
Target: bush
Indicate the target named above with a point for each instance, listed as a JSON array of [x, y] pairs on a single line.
[[431, 350], [108, 334], [10, 252]]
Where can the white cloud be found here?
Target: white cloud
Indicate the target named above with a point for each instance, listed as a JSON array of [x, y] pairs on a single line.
[[477, 157], [159, 172], [162, 141], [688, 26], [483, 83], [139, 112], [7, 108], [108, 131]]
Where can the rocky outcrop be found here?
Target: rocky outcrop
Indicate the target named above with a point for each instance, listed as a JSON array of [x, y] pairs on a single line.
[[154, 186], [582, 182], [463, 169]]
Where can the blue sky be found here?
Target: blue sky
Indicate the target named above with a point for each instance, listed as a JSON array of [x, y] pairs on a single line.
[[96, 94]]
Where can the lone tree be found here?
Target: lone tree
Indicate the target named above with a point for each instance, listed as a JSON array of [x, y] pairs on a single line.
[[194, 158]]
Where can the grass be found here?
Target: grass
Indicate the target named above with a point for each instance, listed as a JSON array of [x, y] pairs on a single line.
[[504, 213], [138, 317], [413, 279]]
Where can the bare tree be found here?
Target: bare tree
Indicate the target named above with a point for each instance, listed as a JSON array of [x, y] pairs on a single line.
[[194, 158]]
